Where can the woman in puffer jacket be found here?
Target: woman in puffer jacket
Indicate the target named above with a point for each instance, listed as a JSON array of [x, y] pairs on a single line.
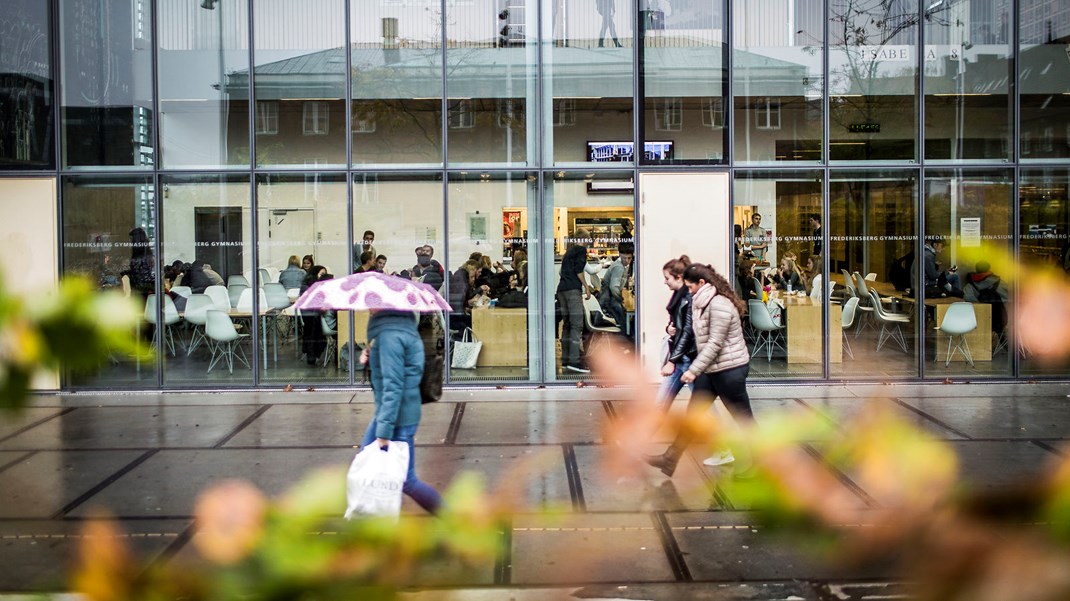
[[721, 366]]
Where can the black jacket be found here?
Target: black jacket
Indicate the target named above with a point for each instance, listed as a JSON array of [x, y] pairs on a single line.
[[683, 343]]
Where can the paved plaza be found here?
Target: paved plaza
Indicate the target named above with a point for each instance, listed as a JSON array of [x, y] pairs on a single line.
[[145, 456]]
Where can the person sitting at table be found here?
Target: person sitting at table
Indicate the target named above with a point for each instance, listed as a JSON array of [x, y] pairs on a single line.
[[611, 297], [788, 277], [307, 263], [380, 264], [938, 282], [367, 262], [812, 275], [313, 342], [520, 266], [514, 298], [745, 279], [426, 267], [293, 276], [983, 286]]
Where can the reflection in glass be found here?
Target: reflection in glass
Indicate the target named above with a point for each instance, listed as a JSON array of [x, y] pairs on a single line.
[[778, 256], [204, 119], [967, 246], [588, 71], [967, 80], [205, 221], [397, 83], [300, 216], [491, 80], [1044, 32], [1044, 248], [491, 232], [873, 79], [107, 83], [108, 236], [300, 83], [684, 66], [872, 238], [778, 82], [26, 122], [591, 217]]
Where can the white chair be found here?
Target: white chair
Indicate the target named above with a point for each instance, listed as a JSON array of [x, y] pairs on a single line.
[[847, 319], [767, 334], [125, 281], [197, 306], [237, 279], [234, 292], [178, 280], [170, 317], [272, 274], [220, 329], [275, 296], [331, 335], [591, 308], [264, 276], [871, 277], [220, 297], [185, 291], [891, 324], [245, 301], [959, 320]]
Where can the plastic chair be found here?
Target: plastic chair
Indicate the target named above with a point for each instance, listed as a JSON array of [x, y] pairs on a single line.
[[125, 282], [275, 296], [170, 316], [245, 301], [847, 319], [237, 279], [263, 276], [220, 328], [220, 297], [331, 335], [272, 275], [197, 306], [184, 291], [959, 320], [591, 307], [234, 292], [767, 333], [891, 324]]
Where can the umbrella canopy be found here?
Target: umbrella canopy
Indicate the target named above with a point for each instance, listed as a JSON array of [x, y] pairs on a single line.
[[371, 290]]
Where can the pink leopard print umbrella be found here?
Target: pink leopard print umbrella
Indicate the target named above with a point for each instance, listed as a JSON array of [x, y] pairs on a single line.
[[371, 290]]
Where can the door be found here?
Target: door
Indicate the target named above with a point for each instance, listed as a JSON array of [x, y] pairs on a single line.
[[218, 234], [679, 214]]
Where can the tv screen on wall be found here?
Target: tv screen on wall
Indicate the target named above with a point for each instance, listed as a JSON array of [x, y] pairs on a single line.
[[623, 152]]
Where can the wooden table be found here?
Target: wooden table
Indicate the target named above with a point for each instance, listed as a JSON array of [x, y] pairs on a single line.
[[504, 334], [980, 339], [805, 332], [360, 330]]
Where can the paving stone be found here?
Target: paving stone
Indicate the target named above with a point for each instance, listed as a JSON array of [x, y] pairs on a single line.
[[46, 482]]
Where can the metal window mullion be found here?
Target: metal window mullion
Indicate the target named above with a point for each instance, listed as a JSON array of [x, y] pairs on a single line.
[[254, 321], [157, 196], [536, 372], [728, 89], [826, 194], [349, 178], [1013, 149]]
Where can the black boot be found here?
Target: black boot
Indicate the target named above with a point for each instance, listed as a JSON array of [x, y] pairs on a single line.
[[666, 462], [617, 43]]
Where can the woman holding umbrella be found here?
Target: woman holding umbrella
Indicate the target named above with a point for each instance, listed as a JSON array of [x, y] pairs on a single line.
[[395, 354]]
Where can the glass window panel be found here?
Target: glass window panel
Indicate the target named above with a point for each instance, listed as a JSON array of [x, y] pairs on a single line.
[[300, 82], [204, 96], [777, 62], [107, 83], [396, 82], [872, 237], [397, 222], [588, 78], [873, 80], [300, 216], [778, 256], [1044, 29], [491, 80], [967, 80], [684, 68], [492, 224], [968, 217], [26, 122], [206, 222], [1044, 247], [596, 213], [109, 236]]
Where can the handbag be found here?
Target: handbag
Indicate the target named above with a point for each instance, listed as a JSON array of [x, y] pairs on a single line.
[[664, 350], [466, 351], [374, 481]]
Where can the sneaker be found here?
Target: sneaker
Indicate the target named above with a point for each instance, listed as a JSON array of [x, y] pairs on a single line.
[[577, 368], [720, 458]]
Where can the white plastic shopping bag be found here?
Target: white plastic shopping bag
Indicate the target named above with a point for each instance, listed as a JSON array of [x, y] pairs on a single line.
[[373, 486]]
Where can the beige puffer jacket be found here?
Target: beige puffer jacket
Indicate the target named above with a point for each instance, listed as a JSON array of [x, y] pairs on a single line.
[[718, 333]]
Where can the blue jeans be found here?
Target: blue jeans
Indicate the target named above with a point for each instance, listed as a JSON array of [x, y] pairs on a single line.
[[671, 385], [421, 492]]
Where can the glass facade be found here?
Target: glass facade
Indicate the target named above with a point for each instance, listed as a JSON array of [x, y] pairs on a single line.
[[887, 161]]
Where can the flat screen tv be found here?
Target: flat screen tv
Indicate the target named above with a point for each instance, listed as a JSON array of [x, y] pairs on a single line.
[[623, 152]]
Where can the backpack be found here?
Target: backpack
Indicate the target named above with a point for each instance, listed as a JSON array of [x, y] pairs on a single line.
[[988, 295]]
